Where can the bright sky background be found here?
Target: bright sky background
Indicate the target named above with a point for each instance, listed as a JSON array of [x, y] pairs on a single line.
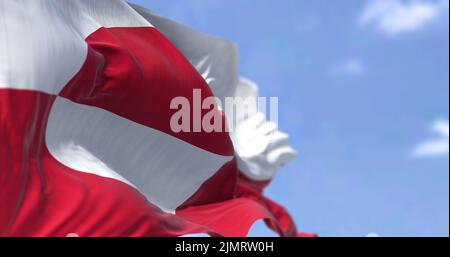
[[364, 94]]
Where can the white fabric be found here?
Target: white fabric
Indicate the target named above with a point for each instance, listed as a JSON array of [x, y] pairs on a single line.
[[165, 169], [261, 149]]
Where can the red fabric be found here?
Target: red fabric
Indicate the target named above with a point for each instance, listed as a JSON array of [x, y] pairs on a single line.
[[232, 218], [137, 74]]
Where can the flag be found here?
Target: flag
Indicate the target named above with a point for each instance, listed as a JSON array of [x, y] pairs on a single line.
[[86, 146]]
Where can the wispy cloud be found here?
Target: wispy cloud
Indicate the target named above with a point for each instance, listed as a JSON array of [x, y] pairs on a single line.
[[437, 146], [350, 67], [393, 17]]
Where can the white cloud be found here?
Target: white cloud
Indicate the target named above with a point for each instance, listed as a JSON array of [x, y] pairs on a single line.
[[437, 146], [349, 67], [393, 17]]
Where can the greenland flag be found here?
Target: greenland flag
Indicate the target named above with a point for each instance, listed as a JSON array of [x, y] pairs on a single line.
[[86, 146]]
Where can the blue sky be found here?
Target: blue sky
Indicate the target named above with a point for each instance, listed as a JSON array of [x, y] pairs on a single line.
[[364, 94]]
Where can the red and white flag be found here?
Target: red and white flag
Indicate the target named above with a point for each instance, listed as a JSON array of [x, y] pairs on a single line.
[[86, 146]]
